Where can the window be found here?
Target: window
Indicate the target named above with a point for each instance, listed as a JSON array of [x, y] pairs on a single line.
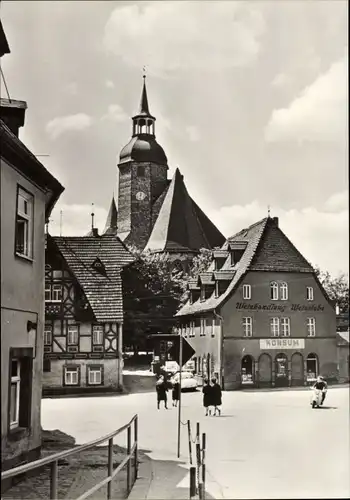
[[15, 392], [94, 375], [247, 292], [285, 327], [24, 223], [56, 293], [97, 334], [202, 327], [209, 326], [202, 293], [309, 293], [275, 327], [47, 292], [46, 365], [311, 327], [188, 329], [71, 375], [47, 335], [72, 335], [274, 290], [247, 327], [284, 291]]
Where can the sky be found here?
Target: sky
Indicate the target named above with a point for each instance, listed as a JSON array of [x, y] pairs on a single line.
[[250, 98]]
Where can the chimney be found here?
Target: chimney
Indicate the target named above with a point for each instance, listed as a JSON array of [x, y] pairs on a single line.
[[95, 232], [12, 112], [275, 220]]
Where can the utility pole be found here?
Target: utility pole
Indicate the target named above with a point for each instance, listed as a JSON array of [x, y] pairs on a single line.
[[179, 412]]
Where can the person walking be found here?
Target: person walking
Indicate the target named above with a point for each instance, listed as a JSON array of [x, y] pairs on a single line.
[[176, 391], [161, 388], [207, 397], [217, 396]]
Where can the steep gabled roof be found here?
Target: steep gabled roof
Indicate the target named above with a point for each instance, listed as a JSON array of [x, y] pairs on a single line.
[[180, 226], [267, 249], [111, 226], [4, 46], [103, 291]]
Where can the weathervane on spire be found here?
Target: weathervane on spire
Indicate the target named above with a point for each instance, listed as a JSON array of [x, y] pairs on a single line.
[[144, 72]]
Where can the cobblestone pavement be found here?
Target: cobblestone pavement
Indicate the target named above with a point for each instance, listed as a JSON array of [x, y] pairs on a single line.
[[76, 474]]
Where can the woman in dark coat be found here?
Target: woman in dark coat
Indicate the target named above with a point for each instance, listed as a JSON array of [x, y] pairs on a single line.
[[207, 397], [161, 389], [175, 392], [216, 396]]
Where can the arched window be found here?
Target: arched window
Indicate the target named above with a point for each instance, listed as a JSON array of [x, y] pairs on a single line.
[[281, 366], [283, 291], [247, 370], [311, 367], [274, 290]]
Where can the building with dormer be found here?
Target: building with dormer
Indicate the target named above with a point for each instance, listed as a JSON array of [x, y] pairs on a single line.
[[155, 213], [259, 317], [84, 312]]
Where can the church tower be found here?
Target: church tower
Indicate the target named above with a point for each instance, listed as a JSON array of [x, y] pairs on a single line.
[[143, 168]]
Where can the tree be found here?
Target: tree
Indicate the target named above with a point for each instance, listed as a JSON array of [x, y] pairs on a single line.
[[152, 293], [337, 288], [200, 264]]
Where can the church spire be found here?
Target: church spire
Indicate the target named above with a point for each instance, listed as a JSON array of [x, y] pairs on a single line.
[[144, 109], [143, 122], [112, 220]]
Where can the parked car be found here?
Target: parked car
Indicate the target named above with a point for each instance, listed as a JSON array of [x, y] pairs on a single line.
[[188, 382]]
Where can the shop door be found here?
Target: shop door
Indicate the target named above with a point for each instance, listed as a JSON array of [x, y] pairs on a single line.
[[297, 369], [265, 371], [247, 371], [281, 371]]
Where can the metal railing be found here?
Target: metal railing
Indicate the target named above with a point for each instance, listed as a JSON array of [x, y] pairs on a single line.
[[132, 451]]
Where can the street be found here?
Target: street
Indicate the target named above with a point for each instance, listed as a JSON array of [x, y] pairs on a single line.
[[265, 444]]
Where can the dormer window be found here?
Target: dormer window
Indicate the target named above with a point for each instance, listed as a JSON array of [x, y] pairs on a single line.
[[99, 266], [203, 297], [237, 249]]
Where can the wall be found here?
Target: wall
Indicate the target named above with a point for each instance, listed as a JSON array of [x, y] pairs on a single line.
[[343, 360], [22, 299], [236, 346], [54, 378]]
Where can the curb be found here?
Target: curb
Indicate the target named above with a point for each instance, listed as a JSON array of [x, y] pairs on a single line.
[[143, 483]]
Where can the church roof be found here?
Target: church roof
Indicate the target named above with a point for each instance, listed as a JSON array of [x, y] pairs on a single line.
[[111, 226], [267, 249], [143, 147], [102, 290], [181, 226]]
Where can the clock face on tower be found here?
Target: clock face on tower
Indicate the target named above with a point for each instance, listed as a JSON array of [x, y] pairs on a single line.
[[140, 196]]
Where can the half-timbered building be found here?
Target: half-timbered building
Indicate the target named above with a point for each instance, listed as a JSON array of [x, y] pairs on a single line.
[[84, 313]]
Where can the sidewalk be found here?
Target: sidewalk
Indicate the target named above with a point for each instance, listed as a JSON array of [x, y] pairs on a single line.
[[168, 478]]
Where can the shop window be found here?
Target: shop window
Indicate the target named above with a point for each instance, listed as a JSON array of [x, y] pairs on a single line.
[[281, 366], [309, 293], [94, 374], [275, 327], [311, 367], [20, 390], [285, 327], [24, 223], [247, 324], [247, 292], [247, 370], [71, 375], [283, 291], [274, 290], [72, 335], [311, 327], [97, 334]]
